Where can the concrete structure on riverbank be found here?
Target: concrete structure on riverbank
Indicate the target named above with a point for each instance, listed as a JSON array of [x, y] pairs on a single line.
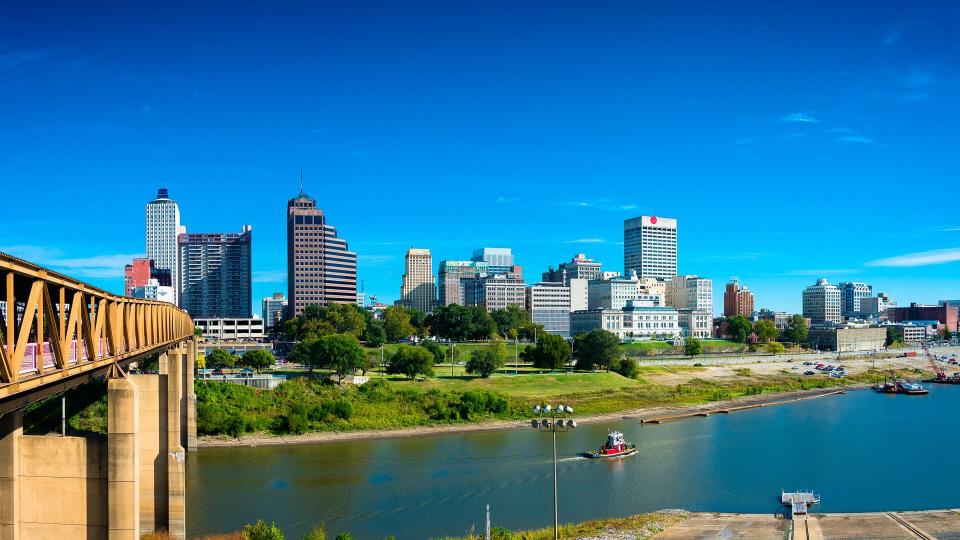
[[848, 339]]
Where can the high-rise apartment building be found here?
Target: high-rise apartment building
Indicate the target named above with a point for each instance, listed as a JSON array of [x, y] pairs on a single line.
[[690, 292], [821, 302], [549, 305], [320, 268], [215, 273], [452, 277], [418, 290], [737, 300], [499, 260], [650, 247], [851, 292], [580, 267], [163, 229], [273, 309]]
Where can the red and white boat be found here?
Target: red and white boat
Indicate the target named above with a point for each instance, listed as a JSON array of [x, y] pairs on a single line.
[[614, 447]]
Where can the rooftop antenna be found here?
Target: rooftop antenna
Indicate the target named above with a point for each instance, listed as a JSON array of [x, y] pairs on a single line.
[[301, 179]]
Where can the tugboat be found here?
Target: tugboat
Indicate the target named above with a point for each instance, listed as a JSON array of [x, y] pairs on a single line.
[[614, 447]]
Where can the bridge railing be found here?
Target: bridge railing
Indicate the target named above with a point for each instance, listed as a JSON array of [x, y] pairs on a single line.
[[54, 327]]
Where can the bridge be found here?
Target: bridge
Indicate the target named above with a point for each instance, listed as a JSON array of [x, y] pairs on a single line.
[[57, 333]]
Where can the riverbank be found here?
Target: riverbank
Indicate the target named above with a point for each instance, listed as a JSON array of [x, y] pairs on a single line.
[[643, 414]]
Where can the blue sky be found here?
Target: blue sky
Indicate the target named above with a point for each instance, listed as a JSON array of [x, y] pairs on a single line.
[[791, 141]]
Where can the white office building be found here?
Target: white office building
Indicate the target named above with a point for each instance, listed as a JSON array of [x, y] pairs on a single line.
[[637, 320], [650, 247], [231, 329], [821, 302], [690, 292], [851, 295], [549, 305], [614, 293], [272, 309], [154, 291], [163, 227], [696, 323], [579, 294]]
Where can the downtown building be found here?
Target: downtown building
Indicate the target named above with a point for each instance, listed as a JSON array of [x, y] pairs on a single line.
[[580, 267], [639, 319], [549, 305], [851, 294], [616, 292], [162, 232], [418, 290], [692, 297], [498, 260], [273, 309], [650, 247], [821, 303], [452, 277], [214, 274], [737, 300], [321, 269], [142, 272], [496, 291]]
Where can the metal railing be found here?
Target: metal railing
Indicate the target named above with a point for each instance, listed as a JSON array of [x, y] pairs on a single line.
[[53, 327]]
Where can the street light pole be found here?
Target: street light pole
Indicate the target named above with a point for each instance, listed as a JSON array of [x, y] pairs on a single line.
[[553, 423]]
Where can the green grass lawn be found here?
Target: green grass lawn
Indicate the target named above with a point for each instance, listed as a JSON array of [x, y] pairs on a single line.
[[529, 384]]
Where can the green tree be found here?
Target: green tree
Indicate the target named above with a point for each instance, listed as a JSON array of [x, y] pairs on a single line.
[[766, 330], [198, 332], [551, 352], [340, 352], [487, 360], [596, 348], [693, 347], [775, 348], [947, 334], [458, 323], [261, 531], [258, 359], [894, 335], [627, 367], [411, 361], [302, 353], [221, 358], [510, 320], [419, 321], [435, 349], [797, 330], [396, 323], [740, 327], [375, 336]]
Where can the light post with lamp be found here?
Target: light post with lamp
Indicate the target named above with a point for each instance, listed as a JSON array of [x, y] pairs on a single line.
[[552, 421]]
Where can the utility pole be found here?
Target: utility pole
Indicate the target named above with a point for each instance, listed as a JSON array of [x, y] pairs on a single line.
[[63, 415], [487, 535]]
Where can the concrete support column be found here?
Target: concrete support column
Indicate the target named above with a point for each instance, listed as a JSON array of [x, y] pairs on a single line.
[[176, 506], [11, 429], [123, 457], [191, 396]]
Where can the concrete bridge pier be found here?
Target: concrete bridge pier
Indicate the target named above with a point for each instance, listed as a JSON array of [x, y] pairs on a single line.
[[117, 488]]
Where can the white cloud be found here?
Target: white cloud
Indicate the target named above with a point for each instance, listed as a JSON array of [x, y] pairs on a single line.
[[921, 258], [855, 139], [800, 117], [587, 241], [269, 276], [821, 272], [97, 266], [501, 199], [628, 207]]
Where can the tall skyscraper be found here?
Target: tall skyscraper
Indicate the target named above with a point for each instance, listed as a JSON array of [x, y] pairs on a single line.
[[163, 228], [452, 277], [650, 247], [737, 300], [821, 302], [418, 290], [851, 292], [499, 260], [320, 268], [273, 308], [215, 274]]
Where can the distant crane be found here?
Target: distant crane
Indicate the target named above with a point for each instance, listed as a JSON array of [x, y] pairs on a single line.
[[937, 368]]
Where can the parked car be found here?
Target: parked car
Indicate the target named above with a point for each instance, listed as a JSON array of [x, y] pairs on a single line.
[[809, 372]]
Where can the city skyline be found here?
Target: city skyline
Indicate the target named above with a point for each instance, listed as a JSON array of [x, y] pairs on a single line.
[[554, 165]]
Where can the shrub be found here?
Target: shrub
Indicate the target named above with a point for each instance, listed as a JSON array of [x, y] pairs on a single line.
[[627, 367], [317, 533], [296, 420], [344, 536], [261, 531]]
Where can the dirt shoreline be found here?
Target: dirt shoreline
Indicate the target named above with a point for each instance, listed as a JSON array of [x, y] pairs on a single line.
[[325, 437]]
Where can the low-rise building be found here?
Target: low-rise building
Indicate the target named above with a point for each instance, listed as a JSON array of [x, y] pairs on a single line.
[[549, 306], [781, 319], [614, 293], [945, 314], [696, 323], [231, 329], [584, 321], [637, 320], [919, 331], [848, 339], [153, 290], [496, 291]]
